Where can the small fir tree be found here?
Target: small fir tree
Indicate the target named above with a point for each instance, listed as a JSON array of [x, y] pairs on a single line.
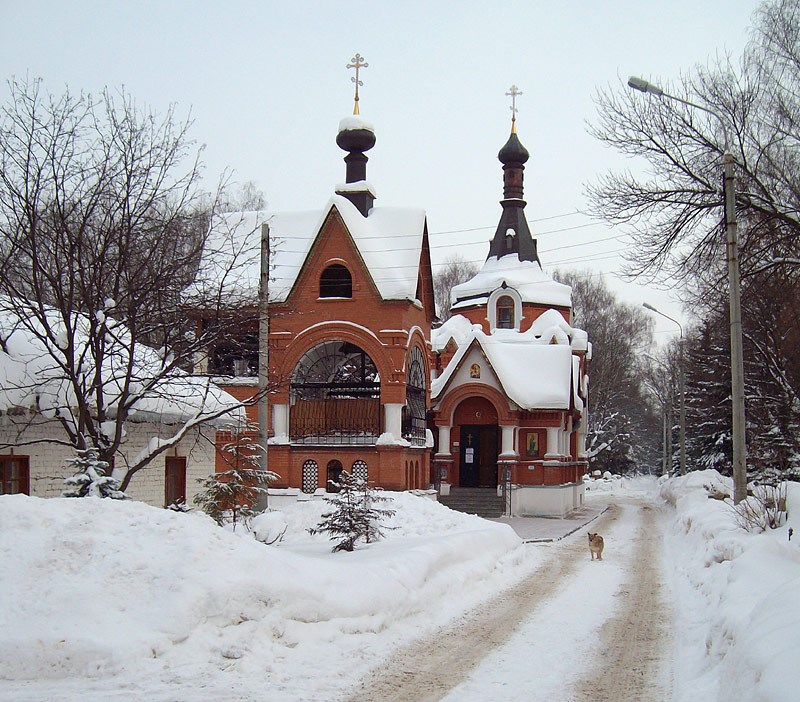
[[354, 515], [369, 498], [90, 478], [231, 496]]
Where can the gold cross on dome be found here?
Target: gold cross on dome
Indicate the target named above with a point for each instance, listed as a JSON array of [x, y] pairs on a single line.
[[512, 93], [357, 62]]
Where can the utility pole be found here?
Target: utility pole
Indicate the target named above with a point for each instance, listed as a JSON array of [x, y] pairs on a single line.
[[263, 354], [734, 292]]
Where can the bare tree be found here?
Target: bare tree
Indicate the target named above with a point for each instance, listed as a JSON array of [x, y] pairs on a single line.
[[673, 208], [102, 224], [454, 270], [622, 432]]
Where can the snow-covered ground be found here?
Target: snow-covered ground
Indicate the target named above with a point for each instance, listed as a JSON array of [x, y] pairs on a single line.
[[108, 600]]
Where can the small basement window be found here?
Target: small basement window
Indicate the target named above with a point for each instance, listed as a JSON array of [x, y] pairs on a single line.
[[336, 281]]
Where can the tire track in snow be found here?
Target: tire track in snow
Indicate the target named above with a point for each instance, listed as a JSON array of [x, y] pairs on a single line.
[[633, 642], [427, 669]]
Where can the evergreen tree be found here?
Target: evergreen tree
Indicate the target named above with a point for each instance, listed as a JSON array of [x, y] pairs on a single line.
[[90, 478], [369, 498], [231, 496], [708, 400], [354, 515]]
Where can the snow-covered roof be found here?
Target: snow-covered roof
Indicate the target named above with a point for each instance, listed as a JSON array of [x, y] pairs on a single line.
[[544, 383], [526, 277], [30, 376], [549, 327], [536, 368], [230, 263]]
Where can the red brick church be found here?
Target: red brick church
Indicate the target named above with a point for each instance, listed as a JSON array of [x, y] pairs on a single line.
[[361, 382]]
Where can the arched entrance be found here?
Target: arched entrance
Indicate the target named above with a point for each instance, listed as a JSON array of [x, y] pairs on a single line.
[[479, 442]]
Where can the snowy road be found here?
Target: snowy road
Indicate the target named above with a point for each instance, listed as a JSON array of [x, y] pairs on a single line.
[[575, 630]]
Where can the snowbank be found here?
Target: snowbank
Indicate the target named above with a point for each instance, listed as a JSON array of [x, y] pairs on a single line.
[[102, 589], [738, 609]]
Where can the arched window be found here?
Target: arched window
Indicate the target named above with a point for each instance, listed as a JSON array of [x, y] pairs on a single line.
[[336, 281], [414, 423], [335, 396], [310, 477], [360, 471], [505, 312], [334, 473]]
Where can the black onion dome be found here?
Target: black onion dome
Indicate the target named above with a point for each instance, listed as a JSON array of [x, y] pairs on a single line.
[[513, 151], [355, 139]]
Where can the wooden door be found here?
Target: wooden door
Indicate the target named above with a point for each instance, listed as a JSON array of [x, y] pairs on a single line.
[[487, 457], [469, 453]]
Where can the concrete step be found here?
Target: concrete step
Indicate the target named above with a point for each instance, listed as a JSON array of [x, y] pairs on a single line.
[[481, 501]]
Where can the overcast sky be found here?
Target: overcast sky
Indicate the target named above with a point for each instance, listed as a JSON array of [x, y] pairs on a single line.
[[266, 85]]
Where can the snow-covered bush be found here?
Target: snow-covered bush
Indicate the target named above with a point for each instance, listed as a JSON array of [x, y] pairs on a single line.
[[764, 509], [90, 478]]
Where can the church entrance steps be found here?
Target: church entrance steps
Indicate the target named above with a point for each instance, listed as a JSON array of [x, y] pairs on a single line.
[[481, 501]]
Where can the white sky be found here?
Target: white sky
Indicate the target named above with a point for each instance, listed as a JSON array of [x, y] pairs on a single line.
[[266, 85]]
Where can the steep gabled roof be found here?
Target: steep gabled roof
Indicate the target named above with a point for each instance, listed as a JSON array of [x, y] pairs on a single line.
[[533, 375], [389, 240]]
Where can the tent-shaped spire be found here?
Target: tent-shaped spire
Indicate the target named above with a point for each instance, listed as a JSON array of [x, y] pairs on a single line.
[[513, 235]]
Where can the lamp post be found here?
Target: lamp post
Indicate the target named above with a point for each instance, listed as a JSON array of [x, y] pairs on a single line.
[[737, 359], [681, 386]]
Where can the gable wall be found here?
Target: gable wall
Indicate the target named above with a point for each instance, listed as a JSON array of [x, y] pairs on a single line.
[[384, 329], [366, 315]]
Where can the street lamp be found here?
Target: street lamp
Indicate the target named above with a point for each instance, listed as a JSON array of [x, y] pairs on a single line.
[[681, 386], [737, 360]]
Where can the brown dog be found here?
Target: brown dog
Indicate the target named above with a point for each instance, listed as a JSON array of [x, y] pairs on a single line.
[[596, 546]]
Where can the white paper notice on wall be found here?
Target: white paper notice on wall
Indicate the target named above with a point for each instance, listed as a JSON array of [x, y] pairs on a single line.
[[468, 455]]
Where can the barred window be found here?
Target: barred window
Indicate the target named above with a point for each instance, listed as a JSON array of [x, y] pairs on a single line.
[[335, 396], [310, 477], [414, 423], [360, 471]]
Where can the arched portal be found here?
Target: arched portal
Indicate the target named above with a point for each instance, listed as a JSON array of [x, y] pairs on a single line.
[[335, 396], [475, 420]]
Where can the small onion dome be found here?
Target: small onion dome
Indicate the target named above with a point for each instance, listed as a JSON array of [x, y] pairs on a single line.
[[513, 151], [355, 134]]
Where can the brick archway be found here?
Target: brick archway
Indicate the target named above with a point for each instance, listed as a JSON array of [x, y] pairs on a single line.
[[446, 411], [339, 330]]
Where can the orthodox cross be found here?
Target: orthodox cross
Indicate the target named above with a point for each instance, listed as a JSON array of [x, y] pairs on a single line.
[[512, 93], [357, 62]]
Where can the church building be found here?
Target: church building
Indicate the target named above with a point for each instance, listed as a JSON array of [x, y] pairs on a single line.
[[359, 378], [509, 397], [351, 307]]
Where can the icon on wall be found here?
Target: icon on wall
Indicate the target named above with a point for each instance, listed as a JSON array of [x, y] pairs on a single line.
[[532, 444], [474, 371]]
